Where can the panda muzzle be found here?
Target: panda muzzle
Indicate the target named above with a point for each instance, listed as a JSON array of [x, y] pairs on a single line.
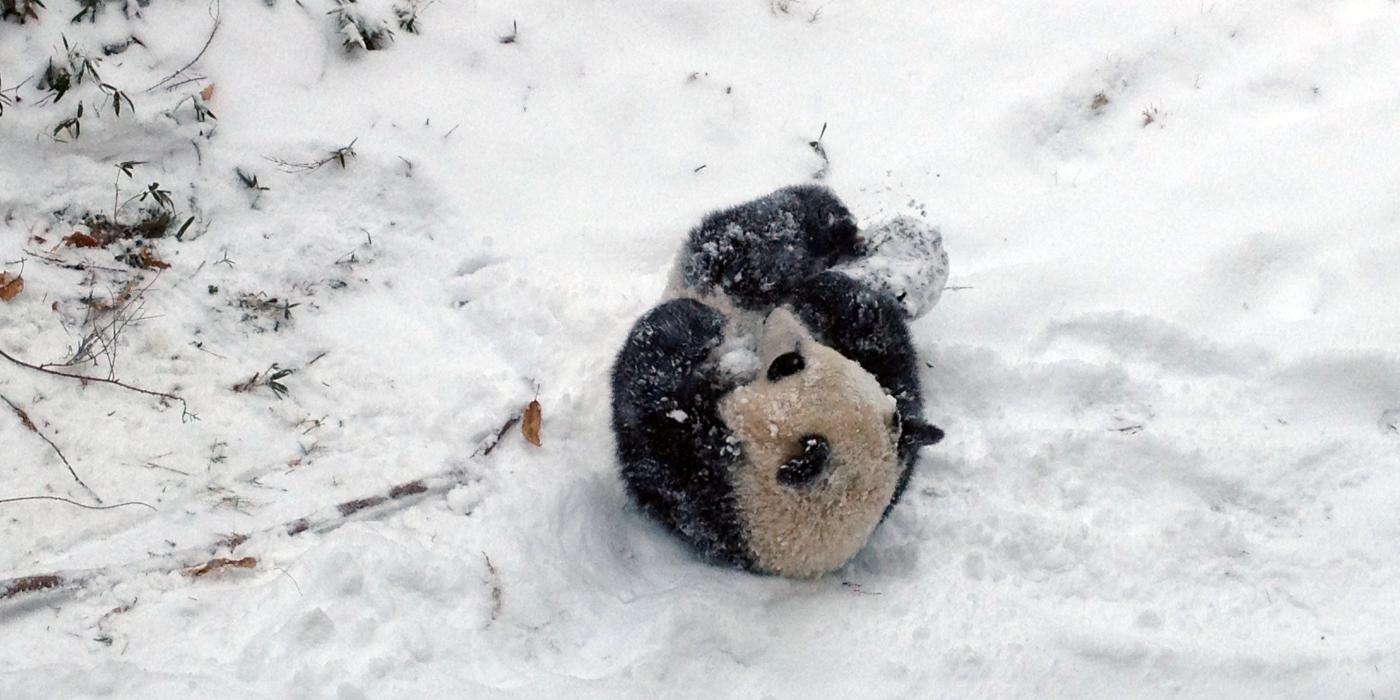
[[804, 469]]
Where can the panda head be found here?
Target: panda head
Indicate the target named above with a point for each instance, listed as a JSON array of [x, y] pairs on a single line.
[[819, 463]]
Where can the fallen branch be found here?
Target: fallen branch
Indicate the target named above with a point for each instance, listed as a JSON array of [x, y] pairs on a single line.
[[373, 506], [191, 561], [185, 414], [29, 423]]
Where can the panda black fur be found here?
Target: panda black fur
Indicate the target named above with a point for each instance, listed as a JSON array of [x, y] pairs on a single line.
[[674, 449], [757, 252], [868, 325], [728, 468]]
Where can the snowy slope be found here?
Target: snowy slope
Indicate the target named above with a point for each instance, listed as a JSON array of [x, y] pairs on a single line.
[[1167, 363]]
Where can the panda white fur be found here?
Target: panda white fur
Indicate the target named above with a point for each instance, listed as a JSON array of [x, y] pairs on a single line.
[[805, 514], [785, 464]]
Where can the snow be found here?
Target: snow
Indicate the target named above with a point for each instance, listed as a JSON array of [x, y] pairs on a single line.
[[1166, 361]]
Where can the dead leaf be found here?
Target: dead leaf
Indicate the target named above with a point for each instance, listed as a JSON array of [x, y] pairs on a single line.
[[117, 300], [219, 564], [207, 93], [10, 287], [530, 423], [149, 260], [78, 239]]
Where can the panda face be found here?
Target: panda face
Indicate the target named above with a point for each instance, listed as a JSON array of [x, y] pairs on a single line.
[[819, 440]]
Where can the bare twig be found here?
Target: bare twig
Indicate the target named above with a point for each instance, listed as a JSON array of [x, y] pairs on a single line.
[[79, 266], [340, 156], [29, 423], [173, 470], [105, 322], [856, 587], [104, 637], [820, 150], [216, 13], [71, 502], [513, 36], [497, 595], [184, 407], [490, 444]]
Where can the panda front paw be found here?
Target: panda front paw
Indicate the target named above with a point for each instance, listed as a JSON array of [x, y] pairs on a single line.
[[756, 252], [806, 467]]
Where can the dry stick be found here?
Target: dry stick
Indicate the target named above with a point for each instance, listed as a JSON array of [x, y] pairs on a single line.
[[29, 423], [370, 507], [184, 407]]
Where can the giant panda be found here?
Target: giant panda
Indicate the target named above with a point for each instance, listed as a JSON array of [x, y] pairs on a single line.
[[789, 466]]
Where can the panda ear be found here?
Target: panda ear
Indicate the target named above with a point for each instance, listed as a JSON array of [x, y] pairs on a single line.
[[806, 467], [917, 433]]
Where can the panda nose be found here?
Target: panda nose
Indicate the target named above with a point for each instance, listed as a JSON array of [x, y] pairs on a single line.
[[806, 467]]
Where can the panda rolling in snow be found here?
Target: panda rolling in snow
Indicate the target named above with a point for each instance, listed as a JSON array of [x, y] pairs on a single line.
[[769, 412]]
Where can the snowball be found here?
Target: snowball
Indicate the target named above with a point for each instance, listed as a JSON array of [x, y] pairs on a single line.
[[740, 364], [905, 257]]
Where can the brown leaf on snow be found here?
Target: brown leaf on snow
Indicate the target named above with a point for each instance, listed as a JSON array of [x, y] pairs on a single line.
[[220, 564], [10, 287], [78, 239], [120, 299], [530, 423], [149, 261], [207, 93]]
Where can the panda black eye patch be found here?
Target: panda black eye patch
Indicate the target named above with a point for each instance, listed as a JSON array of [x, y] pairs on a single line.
[[806, 467], [786, 365]]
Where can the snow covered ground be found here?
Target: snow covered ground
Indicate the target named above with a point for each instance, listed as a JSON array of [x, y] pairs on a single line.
[[1168, 363]]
